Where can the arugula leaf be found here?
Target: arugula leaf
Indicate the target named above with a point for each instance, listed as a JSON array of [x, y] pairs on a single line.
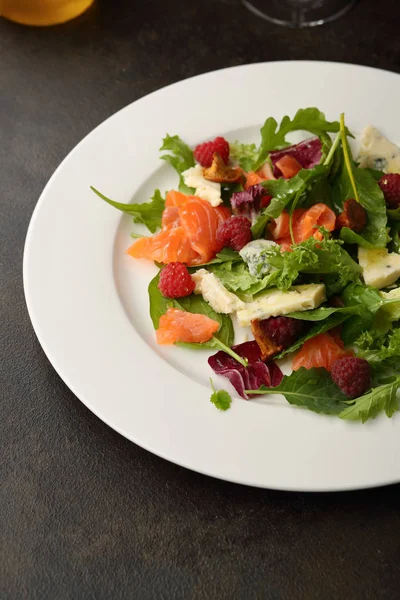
[[283, 191], [180, 158], [369, 405], [353, 182], [239, 279], [319, 327], [310, 388], [194, 304], [306, 119], [148, 213], [259, 226], [221, 399], [244, 154]]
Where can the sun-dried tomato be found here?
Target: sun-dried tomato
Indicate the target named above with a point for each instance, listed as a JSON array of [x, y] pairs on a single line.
[[353, 216]]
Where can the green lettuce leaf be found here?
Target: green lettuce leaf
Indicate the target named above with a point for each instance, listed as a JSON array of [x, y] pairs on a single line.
[[274, 137], [243, 154], [312, 389], [148, 213], [369, 302], [238, 279], [376, 347], [180, 157], [317, 258]]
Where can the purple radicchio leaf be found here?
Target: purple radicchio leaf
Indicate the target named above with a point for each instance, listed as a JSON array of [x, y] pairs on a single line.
[[246, 378], [307, 153], [248, 202]]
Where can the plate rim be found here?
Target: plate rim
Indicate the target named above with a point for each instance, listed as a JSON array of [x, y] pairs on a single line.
[[43, 342]]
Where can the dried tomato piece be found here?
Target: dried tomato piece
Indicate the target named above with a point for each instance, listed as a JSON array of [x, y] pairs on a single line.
[[220, 173], [353, 216]]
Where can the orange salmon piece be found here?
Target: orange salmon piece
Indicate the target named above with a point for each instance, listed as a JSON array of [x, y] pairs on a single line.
[[180, 326], [174, 198], [200, 222], [288, 166], [320, 351], [167, 246], [318, 215]]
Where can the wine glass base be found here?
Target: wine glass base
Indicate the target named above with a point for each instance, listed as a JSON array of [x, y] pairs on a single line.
[[299, 19]]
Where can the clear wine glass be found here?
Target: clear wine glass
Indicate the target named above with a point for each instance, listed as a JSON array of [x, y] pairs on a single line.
[[299, 13]]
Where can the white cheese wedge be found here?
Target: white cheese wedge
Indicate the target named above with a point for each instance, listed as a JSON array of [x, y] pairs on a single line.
[[377, 152], [274, 302], [380, 268], [207, 190], [219, 298], [252, 254]]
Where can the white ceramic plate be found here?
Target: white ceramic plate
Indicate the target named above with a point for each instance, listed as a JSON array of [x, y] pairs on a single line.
[[88, 300]]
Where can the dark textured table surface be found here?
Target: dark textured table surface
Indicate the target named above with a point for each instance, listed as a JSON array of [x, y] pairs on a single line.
[[84, 512]]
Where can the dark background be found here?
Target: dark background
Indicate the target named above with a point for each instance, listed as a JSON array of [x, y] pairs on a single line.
[[84, 512]]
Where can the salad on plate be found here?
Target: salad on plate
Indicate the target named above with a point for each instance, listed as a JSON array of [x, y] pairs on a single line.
[[292, 249]]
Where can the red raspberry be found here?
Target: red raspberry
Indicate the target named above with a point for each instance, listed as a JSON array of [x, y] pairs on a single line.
[[235, 232], [390, 186], [203, 153], [352, 375], [175, 281], [283, 331]]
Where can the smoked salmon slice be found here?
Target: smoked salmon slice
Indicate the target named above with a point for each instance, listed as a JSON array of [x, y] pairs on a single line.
[[201, 222], [318, 215], [180, 326], [188, 234], [167, 246], [288, 166], [304, 224], [320, 351], [174, 198]]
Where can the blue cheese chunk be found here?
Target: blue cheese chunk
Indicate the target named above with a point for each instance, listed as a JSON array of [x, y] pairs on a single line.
[[377, 152], [380, 268], [274, 302], [219, 298], [255, 255], [207, 190]]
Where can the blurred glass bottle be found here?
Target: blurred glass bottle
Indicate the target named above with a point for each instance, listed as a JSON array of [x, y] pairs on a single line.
[[42, 12], [299, 13]]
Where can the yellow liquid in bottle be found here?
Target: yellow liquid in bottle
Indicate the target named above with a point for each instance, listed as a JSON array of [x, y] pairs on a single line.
[[42, 12]]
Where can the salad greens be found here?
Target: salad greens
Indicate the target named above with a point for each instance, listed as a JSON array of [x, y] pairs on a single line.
[[365, 319], [221, 399], [148, 213], [244, 154], [180, 157], [274, 137], [194, 304], [312, 389]]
